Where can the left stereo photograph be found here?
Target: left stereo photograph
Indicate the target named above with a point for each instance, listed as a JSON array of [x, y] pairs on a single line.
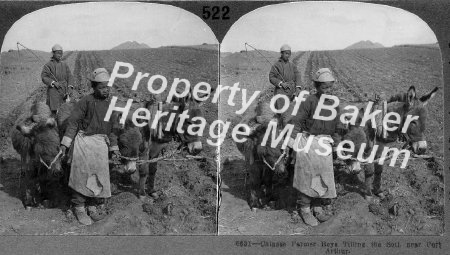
[[101, 122]]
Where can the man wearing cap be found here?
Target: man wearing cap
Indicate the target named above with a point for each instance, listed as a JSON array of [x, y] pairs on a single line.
[[89, 137], [57, 76], [285, 76], [313, 174]]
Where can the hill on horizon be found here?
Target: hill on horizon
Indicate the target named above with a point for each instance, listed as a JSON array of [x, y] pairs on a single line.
[[364, 45], [204, 46], [131, 45], [26, 55], [426, 45]]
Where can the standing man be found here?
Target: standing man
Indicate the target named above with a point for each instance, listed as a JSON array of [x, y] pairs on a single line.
[[91, 136], [285, 76], [313, 174], [58, 78]]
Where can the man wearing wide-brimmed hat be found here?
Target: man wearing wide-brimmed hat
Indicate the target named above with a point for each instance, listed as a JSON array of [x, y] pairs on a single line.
[[58, 78], [284, 75], [90, 138], [313, 174]]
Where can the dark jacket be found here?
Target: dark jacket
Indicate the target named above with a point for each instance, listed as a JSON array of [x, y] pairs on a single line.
[[88, 116], [60, 72], [284, 72], [304, 120]]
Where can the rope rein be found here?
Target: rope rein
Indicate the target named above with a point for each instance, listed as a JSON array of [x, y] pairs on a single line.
[[277, 162], [53, 161], [376, 161], [165, 157]]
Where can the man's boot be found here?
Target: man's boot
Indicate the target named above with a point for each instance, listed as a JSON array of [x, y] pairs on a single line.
[[83, 218], [95, 213], [320, 214], [307, 216]]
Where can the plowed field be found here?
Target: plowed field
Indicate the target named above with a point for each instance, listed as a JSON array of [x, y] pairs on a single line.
[[418, 190], [188, 187]]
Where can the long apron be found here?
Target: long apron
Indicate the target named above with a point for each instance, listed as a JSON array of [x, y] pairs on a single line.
[[313, 175], [89, 172]]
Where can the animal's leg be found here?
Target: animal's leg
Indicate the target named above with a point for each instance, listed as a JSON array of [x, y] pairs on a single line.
[[54, 192], [29, 189], [147, 173], [270, 186], [377, 180], [46, 192], [287, 195], [150, 171], [143, 174], [28, 198], [368, 182], [152, 167], [290, 178], [254, 185], [63, 184], [58, 194]]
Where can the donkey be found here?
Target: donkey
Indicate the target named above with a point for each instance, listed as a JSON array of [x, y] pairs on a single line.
[[155, 142], [404, 104], [265, 162], [143, 143], [36, 139]]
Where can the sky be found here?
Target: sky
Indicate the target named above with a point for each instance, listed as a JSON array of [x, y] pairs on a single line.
[[101, 26], [325, 26]]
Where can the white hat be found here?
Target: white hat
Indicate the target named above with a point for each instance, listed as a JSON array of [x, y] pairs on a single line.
[[57, 47], [323, 75], [285, 47], [99, 75]]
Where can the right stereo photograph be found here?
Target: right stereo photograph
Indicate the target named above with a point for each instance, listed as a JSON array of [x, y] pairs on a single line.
[[335, 112]]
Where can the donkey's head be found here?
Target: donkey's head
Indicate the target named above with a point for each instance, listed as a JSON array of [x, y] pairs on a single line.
[[190, 135], [413, 113], [275, 157], [354, 138], [182, 118], [131, 144], [41, 128]]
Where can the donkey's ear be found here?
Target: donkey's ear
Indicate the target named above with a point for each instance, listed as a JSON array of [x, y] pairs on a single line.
[[261, 150], [361, 111], [426, 98], [249, 150], [189, 96], [411, 95]]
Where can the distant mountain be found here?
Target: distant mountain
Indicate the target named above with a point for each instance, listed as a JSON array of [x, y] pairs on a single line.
[[204, 46], [364, 45], [428, 45], [131, 45]]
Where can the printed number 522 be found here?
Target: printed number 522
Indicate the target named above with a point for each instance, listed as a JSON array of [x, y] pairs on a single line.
[[215, 12]]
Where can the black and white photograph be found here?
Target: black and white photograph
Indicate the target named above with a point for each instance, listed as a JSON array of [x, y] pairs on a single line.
[[95, 106], [378, 70], [224, 127]]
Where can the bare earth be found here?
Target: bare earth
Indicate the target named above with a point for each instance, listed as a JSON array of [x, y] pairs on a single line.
[[189, 188], [418, 190]]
